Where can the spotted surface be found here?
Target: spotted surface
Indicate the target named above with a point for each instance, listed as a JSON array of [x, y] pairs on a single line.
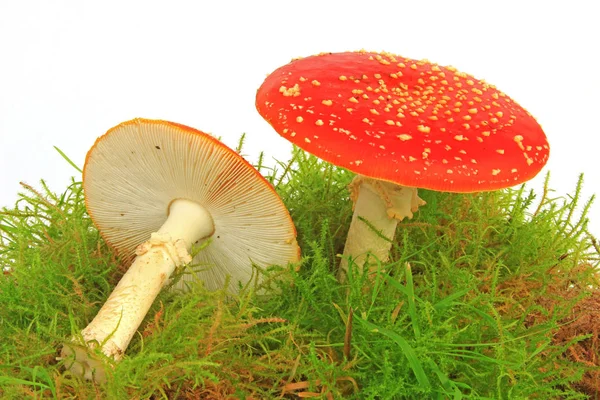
[[406, 121]]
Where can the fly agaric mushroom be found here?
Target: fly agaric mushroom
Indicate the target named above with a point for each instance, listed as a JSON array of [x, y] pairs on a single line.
[[155, 188], [401, 124]]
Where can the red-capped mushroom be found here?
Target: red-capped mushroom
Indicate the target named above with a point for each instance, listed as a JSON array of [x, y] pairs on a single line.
[[401, 124]]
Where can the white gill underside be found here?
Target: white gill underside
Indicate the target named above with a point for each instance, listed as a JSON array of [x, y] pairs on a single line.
[[135, 173], [382, 204]]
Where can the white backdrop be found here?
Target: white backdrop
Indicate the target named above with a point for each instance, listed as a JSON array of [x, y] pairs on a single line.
[[69, 70]]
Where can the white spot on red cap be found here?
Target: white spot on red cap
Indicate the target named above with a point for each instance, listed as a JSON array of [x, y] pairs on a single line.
[[294, 91], [519, 140]]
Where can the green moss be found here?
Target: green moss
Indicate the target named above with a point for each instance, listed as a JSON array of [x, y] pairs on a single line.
[[472, 305]]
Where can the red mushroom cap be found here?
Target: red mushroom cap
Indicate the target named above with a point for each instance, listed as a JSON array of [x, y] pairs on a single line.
[[405, 121]]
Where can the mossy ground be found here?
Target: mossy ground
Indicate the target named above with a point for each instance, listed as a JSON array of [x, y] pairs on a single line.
[[483, 299]]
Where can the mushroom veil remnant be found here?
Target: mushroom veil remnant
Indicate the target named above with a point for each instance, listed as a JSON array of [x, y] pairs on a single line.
[[156, 188], [400, 124]]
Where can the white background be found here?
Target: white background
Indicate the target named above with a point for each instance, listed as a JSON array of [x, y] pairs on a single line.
[[69, 70]]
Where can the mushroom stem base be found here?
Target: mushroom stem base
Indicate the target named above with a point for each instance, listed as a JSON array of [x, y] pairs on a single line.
[[117, 321], [382, 204]]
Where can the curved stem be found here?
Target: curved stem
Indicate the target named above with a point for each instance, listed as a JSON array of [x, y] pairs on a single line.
[[117, 321]]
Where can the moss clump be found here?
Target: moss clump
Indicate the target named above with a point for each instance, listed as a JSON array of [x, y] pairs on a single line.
[[482, 299]]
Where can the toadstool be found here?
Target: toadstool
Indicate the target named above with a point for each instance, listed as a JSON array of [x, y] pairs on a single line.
[[155, 188], [400, 124]]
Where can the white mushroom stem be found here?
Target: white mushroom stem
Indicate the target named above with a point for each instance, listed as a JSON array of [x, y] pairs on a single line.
[[117, 321], [382, 204]]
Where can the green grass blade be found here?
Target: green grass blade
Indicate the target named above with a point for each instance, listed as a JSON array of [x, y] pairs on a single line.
[[68, 159], [405, 348]]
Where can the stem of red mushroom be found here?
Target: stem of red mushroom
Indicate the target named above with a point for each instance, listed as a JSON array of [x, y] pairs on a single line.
[[382, 204], [117, 321]]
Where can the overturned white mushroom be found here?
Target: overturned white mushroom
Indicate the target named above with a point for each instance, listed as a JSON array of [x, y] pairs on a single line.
[[154, 189]]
